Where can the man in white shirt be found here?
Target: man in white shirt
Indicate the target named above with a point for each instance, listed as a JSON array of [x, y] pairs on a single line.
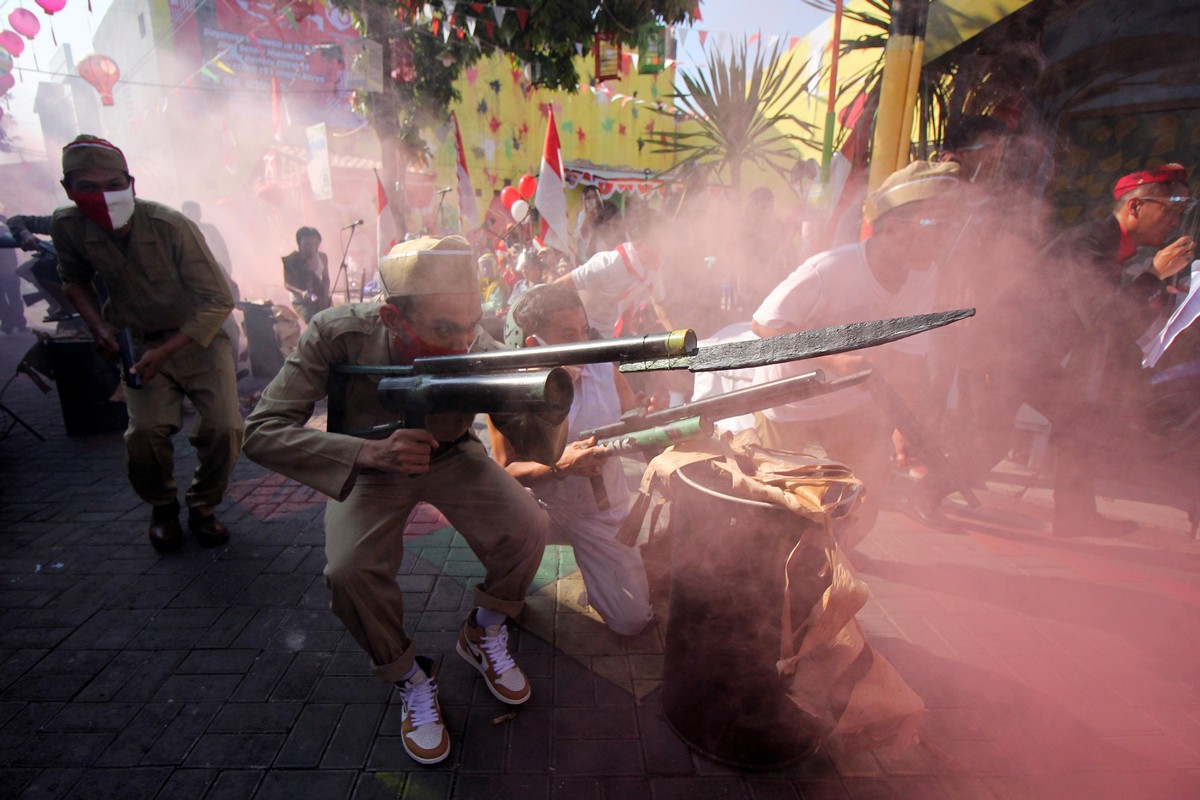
[[580, 515], [620, 286], [914, 223]]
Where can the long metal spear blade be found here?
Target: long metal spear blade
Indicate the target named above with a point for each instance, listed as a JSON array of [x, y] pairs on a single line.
[[805, 344]]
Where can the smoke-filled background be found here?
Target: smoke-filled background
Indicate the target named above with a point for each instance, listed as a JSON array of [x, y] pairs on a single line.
[[221, 113]]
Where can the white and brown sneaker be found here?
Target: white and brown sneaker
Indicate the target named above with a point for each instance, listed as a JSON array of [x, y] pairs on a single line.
[[486, 649], [422, 731]]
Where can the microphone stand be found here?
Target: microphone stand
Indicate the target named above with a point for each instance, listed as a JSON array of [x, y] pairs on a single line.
[[437, 219], [342, 271]]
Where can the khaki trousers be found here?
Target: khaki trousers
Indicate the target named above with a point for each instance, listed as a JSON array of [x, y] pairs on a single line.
[[205, 375], [364, 545]]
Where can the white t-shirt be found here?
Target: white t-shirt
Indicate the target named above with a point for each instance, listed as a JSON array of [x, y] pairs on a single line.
[[836, 287], [596, 403], [609, 286]]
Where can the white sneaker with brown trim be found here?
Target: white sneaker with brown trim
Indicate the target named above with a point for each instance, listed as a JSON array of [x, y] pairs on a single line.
[[486, 649], [422, 730]]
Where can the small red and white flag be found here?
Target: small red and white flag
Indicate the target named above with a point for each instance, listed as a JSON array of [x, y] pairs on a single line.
[[468, 211], [281, 120], [385, 228], [551, 197]]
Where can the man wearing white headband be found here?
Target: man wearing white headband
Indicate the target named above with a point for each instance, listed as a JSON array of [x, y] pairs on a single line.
[[431, 307], [162, 284]]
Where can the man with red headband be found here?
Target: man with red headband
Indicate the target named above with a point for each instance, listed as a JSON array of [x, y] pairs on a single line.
[[162, 283], [1068, 345], [432, 307], [1112, 301]]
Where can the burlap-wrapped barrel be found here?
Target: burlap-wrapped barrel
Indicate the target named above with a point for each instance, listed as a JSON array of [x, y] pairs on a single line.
[[764, 658], [722, 693]]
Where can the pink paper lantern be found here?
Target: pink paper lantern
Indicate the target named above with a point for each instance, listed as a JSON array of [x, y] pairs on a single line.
[[12, 43], [7, 81], [24, 23], [50, 6]]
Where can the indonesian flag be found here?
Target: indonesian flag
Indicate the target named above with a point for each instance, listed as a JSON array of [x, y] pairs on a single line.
[[385, 228], [551, 197], [280, 118], [468, 212]]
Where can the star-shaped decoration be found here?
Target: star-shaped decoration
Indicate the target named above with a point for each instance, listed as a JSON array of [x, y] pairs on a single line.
[[482, 108], [494, 86], [622, 130], [580, 135], [494, 124]]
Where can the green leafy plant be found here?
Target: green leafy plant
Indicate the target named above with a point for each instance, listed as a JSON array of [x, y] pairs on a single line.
[[736, 112]]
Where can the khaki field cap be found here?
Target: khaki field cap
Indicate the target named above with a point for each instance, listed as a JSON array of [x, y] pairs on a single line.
[[429, 265], [920, 180], [92, 152]]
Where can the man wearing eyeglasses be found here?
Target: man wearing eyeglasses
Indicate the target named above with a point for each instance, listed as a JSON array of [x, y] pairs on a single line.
[[1112, 300], [1068, 345], [432, 308]]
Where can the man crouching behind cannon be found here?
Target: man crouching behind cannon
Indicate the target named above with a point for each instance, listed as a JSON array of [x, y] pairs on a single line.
[[432, 308]]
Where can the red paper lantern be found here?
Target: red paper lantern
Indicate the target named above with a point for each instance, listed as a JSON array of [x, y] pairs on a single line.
[[12, 43], [508, 196], [7, 81], [528, 186], [101, 72], [24, 23], [50, 6]]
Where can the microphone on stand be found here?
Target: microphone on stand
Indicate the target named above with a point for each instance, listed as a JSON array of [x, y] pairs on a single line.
[[354, 224], [447, 189]]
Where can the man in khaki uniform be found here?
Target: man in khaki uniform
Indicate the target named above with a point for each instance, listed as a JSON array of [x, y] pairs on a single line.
[[164, 285], [432, 308]]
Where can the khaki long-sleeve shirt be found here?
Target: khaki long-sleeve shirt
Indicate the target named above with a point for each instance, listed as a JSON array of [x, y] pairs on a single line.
[[163, 279], [275, 432], [277, 438]]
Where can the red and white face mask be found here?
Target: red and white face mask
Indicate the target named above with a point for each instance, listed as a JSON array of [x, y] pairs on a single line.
[[416, 347], [109, 210]]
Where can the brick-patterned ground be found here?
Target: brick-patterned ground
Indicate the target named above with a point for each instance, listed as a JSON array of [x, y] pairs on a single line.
[[1051, 668]]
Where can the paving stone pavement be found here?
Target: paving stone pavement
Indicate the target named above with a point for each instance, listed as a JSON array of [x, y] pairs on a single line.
[[1050, 668]]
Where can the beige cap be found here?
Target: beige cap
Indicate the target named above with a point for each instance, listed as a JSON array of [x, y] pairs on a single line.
[[920, 180], [91, 152], [429, 265]]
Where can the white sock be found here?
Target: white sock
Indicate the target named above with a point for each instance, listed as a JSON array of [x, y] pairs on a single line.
[[415, 669], [487, 618]]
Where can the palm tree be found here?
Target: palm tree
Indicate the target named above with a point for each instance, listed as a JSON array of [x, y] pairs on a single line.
[[735, 111]]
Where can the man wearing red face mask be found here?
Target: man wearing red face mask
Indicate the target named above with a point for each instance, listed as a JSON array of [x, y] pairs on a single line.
[[163, 284], [432, 307]]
